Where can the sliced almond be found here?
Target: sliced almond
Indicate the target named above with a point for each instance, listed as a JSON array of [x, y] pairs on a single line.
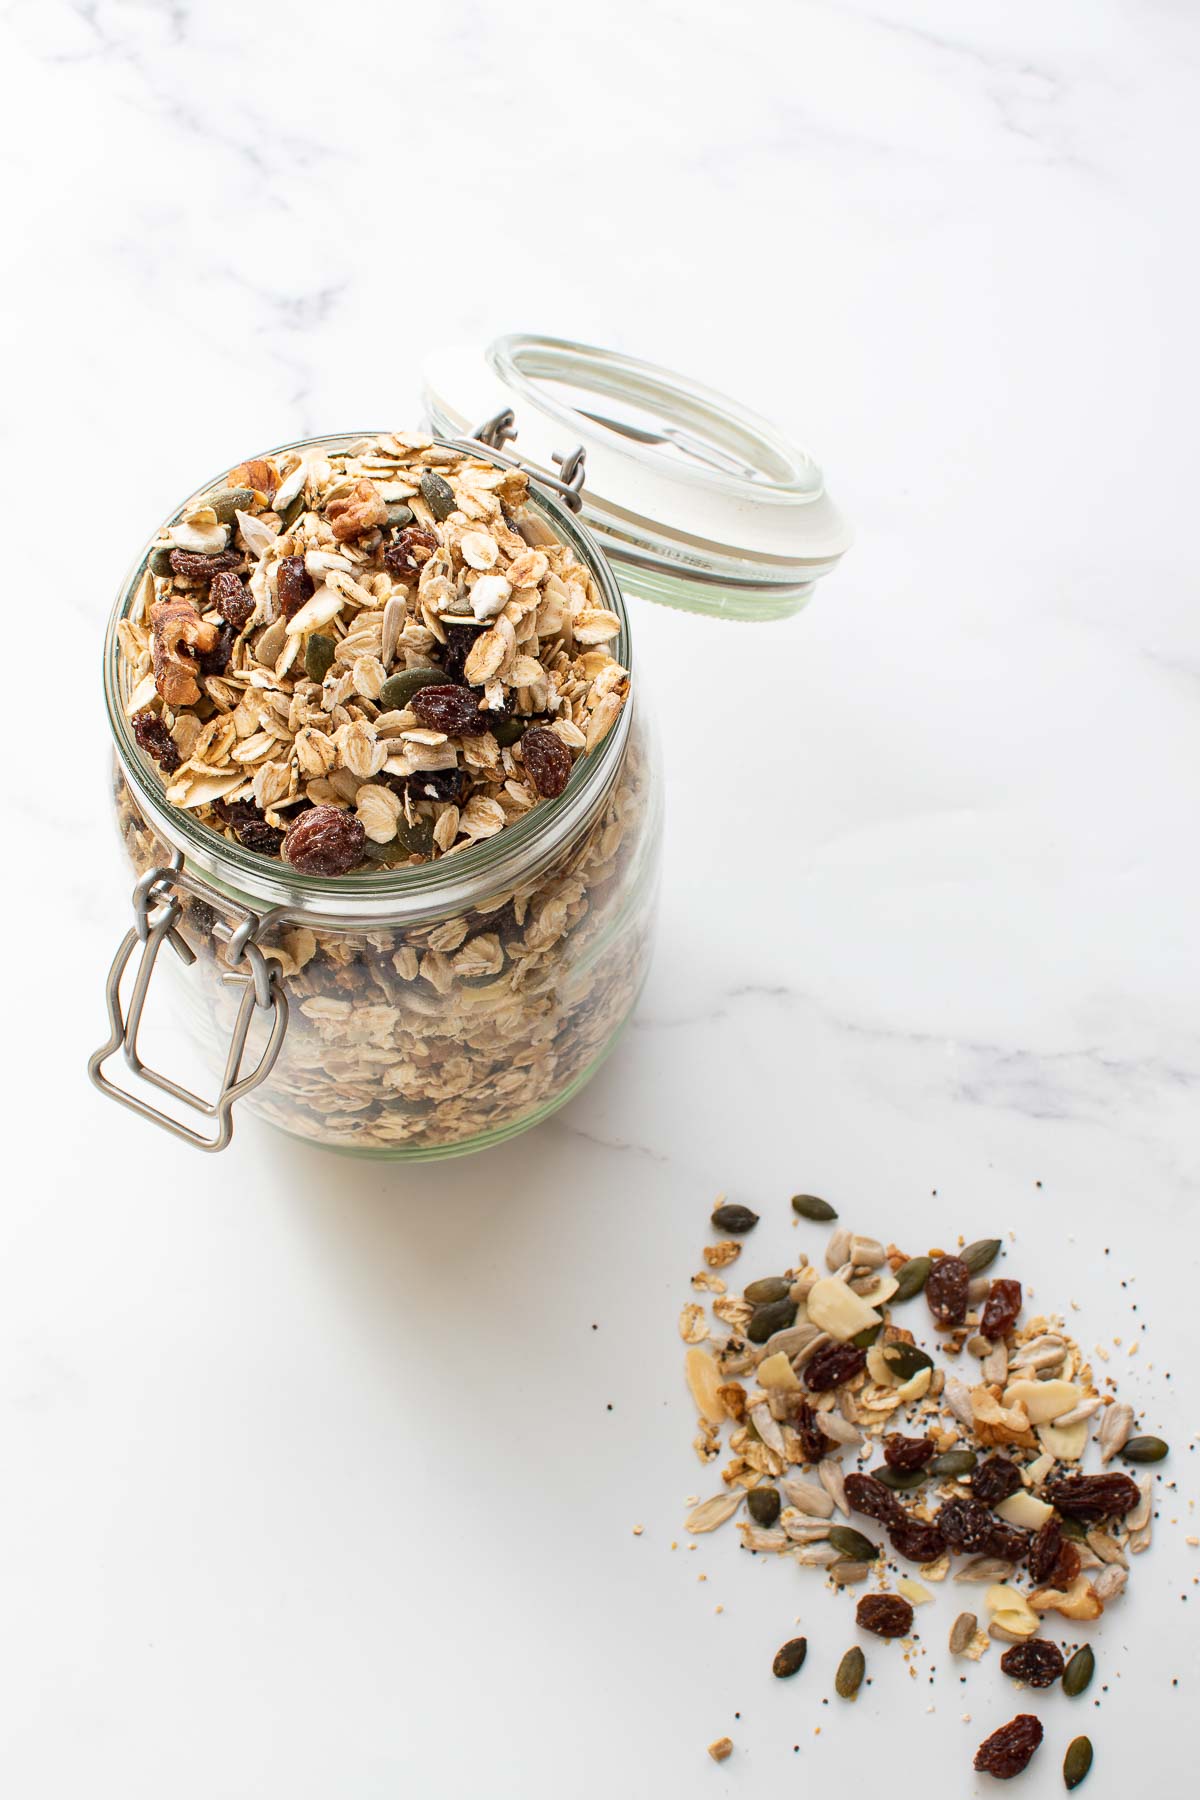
[[1043, 1401], [1066, 1443], [704, 1379], [836, 1309], [1025, 1509], [776, 1372], [913, 1592]]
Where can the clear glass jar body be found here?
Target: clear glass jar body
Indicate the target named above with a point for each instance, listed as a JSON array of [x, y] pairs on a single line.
[[437, 1009]]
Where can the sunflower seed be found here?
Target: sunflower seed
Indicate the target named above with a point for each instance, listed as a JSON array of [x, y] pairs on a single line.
[[808, 1497], [789, 1342], [840, 1430], [837, 1249], [1109, 1583], [1114, 1431], [756, 1537], [802, 1530], [847, 1573], [962, 1632], [994, 1367], [834, 1483], [984, 1568], [867, 1253], [1140, 1516], [1079, 1413]]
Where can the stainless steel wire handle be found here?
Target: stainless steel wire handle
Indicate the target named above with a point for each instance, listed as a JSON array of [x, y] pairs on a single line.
[[157, 909]]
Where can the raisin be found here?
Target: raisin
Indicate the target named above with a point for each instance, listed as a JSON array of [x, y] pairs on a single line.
[[995, 1479], [1000, 1313], [906, 1453], [454, 710], [919, 1540], [1044, 1551], [324, 841], [154, 738], [252, 830], [216, 660], [548, 761], [1037, 1661], [1093, 1497], [946, 1290], [813, 1441], [436, 784], [966, 1525], [1008, 1750], [228, 594], [887, 1615], [400, 558], [833, 1365], [1066, 1568], [294, 585], [459, 642], [1008, 1542], [866, 1495], [195, 567]]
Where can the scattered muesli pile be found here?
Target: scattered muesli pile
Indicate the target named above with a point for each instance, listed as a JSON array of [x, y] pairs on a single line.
[[813, 1370], [367, 656]]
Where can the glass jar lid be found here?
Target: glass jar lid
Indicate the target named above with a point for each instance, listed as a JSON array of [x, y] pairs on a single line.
[[699, 502]]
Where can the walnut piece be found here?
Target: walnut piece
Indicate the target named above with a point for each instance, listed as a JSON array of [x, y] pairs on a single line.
[[260, 475], [177, 632], [357, 512]]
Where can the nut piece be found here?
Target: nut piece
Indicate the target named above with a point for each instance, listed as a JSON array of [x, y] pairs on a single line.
[[178, 633], [721, 1749], [356, 512], [839, 1311]]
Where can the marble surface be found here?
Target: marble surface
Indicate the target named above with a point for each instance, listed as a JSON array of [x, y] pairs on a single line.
[[320, 1478]]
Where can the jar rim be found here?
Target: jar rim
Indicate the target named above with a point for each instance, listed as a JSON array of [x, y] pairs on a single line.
[[451, 883]]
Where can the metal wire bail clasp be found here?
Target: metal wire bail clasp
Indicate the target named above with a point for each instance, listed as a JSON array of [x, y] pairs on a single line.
[[157, 909], [501, 429]]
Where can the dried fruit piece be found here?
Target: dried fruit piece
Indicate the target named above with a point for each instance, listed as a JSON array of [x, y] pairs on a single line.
[[911, 1277], [830, 1367], [995, 1479], [408, 552], [228, 594], [324, 841], [813, 1441], [454, 710], [947, 1290], [868, 1495], [967, 1525], [193, 565], [154, 738], [437, 784], [251, 829], [789, 1657], [887, 1615], [1077, 1676], [1000, 1313], [1076, 1762], [907, 1453], [548, 761], [438, 494], [850, 1672], [918, 1540], [294, 585], [811, 1206], [1009, 1750], [1093, 1497], [735, 1219], [215, 661], [981, 1254], [763, 1504], [1053, 1562], [1037, 1661], [1145, 1450]]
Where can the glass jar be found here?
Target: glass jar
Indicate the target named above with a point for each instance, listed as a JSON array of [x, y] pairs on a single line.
[[439, 1008]]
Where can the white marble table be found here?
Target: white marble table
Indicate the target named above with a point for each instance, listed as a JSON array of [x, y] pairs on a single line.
[[311, 1486]]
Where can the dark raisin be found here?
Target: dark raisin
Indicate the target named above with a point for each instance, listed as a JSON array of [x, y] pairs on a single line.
[[294, 586], [324, 841], [866, 1495], [995, 1479], [548, 761], [1000, 1313], [1045, 1550], [216, 660], [905, 1453], [946, 1290], [833, 1365], [735, 1219], [887, 1615], [806, 1423], [437, 784], [1036, 1661], [401, 559], [459, 642], [1008, 1750], [763, 1504], [966, 1525], [454, 710], [228, 594], [251, 829], [917, 1539], [195, 567], [1066, 1568], [1093, 1497], [154, 738]]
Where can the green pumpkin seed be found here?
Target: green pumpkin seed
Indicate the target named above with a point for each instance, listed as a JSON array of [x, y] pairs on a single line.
[[226, 501], [1077, 1761], [737, 1219], [399, 689], [900, 1480], [811, 1206], [981, 1254], [159, 560], [765, 1321], [906, 1360], [762, 1503], [319, 652], [439, 495], [862, 1340], [850, 1672], [953, 1462], [510, 729], [1071, 1528], [417, 838], [291, 512], [1078, 1673], [1145, 1450], [399, 515], [911, 1277], [771, 1287], [852, 1543], [789, 1657]]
